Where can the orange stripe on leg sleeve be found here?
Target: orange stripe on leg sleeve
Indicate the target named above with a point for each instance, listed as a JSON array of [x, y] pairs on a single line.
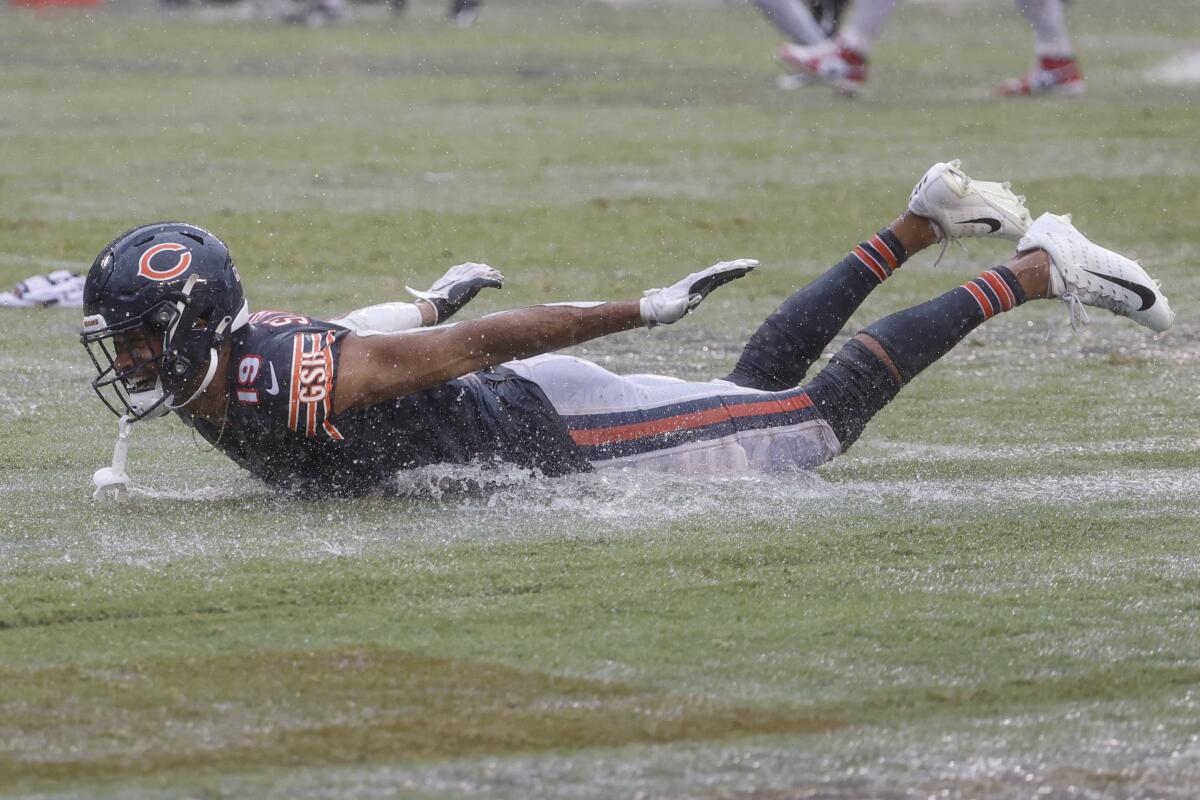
[[985, 304]]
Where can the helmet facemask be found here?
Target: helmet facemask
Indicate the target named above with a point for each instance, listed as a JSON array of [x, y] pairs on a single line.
[[136, 391], [188, 338], [161, 301]]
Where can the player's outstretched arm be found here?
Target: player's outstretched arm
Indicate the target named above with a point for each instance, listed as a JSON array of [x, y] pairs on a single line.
[[374, 369], [378, 368]]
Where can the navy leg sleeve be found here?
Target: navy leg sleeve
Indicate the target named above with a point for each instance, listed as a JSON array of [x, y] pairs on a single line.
[[854, 386], [919, 336], [784, 347]]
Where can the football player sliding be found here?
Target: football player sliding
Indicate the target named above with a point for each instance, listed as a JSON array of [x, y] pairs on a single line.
[[339, 406]]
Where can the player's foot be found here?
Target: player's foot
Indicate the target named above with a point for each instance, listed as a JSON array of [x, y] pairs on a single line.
[[832, 62], [1085, 273], [961, 207], [1055, 76]]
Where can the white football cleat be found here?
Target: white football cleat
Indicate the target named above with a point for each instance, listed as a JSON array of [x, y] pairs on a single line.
[[961, 207], [1083, 272]]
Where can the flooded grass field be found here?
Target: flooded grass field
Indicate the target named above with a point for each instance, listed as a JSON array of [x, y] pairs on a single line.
[[995, 593]]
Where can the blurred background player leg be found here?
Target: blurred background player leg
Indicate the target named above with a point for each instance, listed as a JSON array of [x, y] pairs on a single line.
[[803, 22], [842, 62], [794, 19], [828, 14], [1056, 70], [317, 13], [463, 12]]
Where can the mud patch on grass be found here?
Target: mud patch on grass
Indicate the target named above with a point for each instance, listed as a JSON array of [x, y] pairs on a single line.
[[333, 707]]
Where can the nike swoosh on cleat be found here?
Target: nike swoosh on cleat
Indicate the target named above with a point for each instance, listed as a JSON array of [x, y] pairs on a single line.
[[1146, 294], [992, 223], [274, 387]]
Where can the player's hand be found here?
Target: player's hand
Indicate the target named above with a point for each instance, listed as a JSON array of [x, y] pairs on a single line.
[[458, 287], [664, 306]]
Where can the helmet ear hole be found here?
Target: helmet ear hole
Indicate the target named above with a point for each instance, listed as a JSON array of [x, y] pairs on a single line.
[[203, 318]]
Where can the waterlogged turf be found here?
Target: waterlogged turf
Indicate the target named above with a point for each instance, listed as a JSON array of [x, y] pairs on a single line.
[[994, 594], [437, 708]]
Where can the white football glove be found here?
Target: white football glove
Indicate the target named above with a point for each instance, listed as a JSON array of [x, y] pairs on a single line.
[[457, 287], [664, 306]]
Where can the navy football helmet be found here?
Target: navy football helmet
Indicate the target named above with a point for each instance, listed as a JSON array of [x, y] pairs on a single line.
[[161, 299]]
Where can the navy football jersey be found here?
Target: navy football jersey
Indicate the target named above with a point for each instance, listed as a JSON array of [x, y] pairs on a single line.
[[281, 427]]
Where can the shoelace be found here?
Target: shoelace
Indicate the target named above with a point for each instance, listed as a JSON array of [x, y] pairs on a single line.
[[1076, 311], [946, 240]]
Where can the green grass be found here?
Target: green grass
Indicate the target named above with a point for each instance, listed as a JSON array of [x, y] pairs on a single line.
[[994, 593]]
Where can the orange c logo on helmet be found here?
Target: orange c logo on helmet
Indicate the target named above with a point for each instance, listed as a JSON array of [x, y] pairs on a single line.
[[146, 270]]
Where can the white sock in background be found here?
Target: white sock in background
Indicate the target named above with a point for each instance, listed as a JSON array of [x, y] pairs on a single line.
[[1049, 27], [793, 19], [866, 21]]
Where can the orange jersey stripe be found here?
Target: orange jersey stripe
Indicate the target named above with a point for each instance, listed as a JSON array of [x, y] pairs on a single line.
[[694, 419], [294, 398]]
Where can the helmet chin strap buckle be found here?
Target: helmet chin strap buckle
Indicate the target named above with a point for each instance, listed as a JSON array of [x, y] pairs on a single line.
[[113, 481]]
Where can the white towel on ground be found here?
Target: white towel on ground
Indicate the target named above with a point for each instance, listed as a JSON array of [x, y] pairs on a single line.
[[59, 288]]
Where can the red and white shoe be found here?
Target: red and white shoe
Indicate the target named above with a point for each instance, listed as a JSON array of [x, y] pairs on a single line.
[[841, 67], [1060, 76]]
